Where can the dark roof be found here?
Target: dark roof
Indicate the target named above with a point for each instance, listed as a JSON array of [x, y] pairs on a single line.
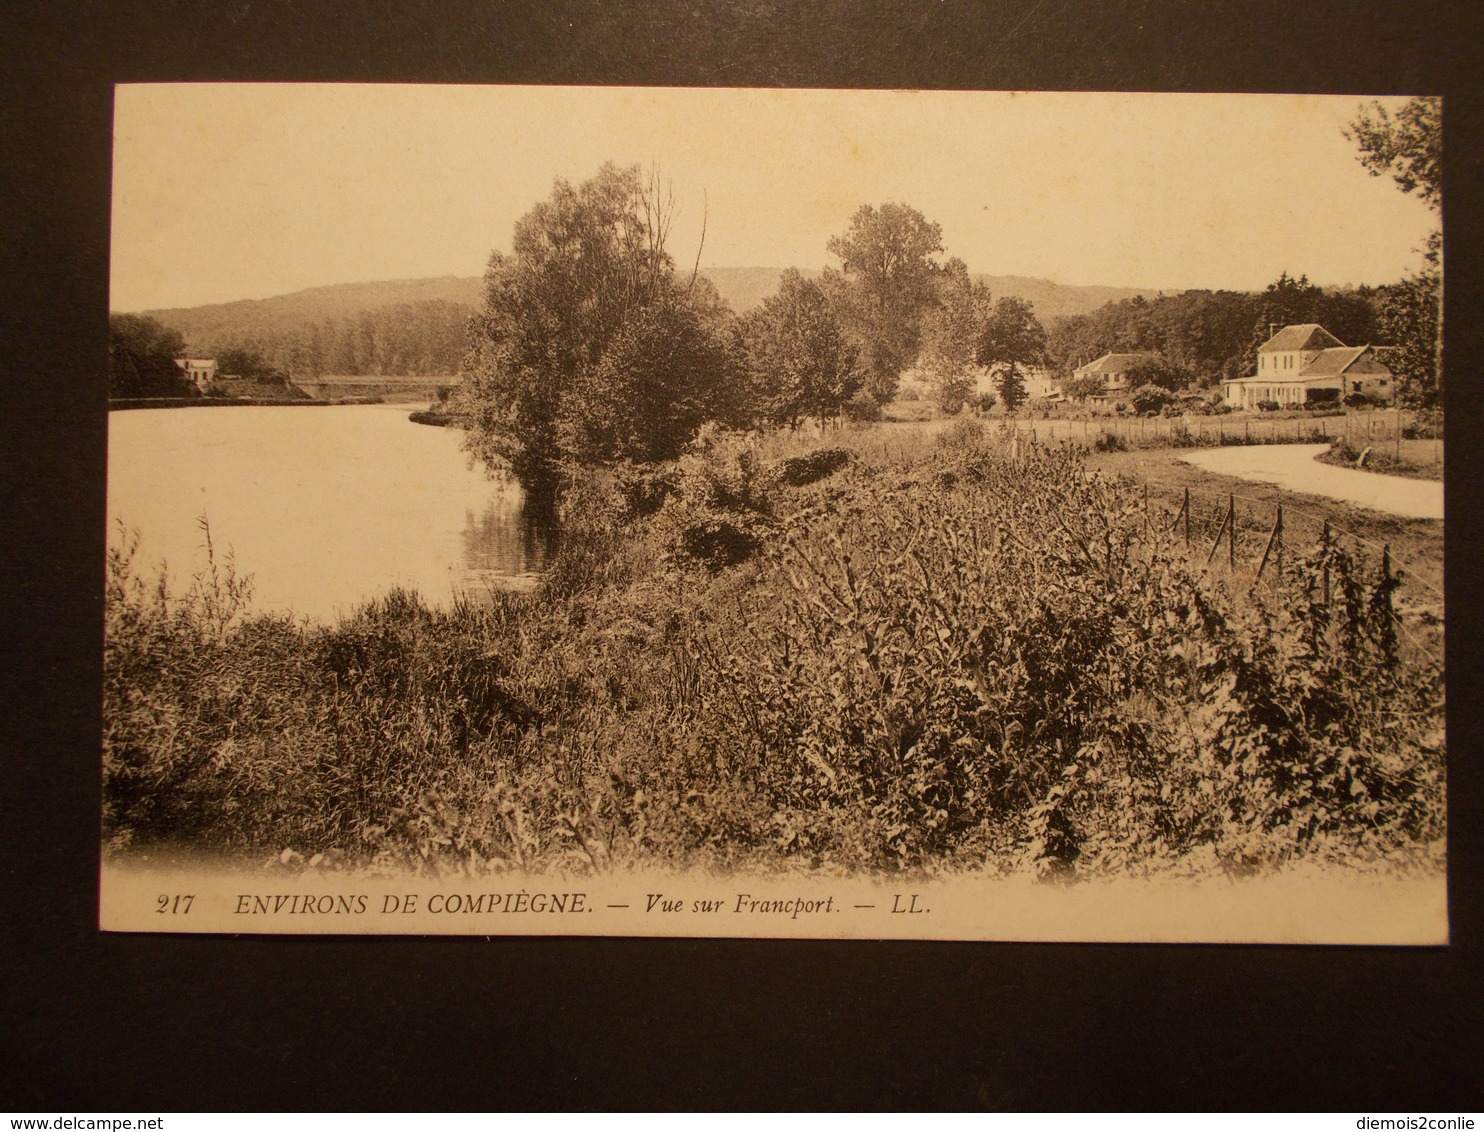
[[1303, 336], [1114, 363], [1333, 361]]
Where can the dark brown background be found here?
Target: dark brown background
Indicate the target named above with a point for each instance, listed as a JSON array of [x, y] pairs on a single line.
[[159, 1023]]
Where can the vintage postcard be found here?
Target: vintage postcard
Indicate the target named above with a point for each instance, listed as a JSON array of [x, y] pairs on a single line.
[[779, 513]]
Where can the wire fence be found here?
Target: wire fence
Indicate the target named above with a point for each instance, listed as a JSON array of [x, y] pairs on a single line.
[[1248, 539], [1244, 528]]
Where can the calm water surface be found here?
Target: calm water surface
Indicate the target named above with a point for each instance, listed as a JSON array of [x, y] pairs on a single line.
[[324, 506]]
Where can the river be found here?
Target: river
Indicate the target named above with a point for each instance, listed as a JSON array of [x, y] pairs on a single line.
[[324, 506], [1294, 466]]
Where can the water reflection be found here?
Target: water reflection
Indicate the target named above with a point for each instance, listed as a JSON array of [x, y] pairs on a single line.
[[325, 507], [507, 544]]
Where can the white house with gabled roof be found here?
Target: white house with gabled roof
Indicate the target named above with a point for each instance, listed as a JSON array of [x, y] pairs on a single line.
[[199, 371], [1306, 363]]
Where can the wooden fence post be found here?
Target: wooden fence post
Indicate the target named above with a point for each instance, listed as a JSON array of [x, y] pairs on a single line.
[[1226, 521], [1324, 557], [1183, 513], [1231, 519], [1279, 563], [1274, 539]]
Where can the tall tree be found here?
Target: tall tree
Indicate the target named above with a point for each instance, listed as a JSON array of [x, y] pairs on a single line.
[[1011, 339], [951, 333], [1409, 146], [1410, 319], [884, 287], [801, 360], [656, 383], [583, 334]]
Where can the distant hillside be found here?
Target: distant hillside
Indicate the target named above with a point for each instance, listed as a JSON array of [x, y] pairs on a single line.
[[393, 328], [746, 287], [416, 326], [203, 326], [1058, 300]]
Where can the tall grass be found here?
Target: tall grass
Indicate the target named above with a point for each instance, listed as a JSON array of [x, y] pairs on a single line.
[[961, 658]]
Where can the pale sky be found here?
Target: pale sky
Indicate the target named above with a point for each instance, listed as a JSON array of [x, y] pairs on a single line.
[[243, 191]]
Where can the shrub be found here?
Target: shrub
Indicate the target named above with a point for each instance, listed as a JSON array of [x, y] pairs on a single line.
[[950, 394], [796, 471], [719, 543], [911, 391], [1110, 442], [1148, 400], [1426, 424], [963, 433], [1268, 406], [862, 407]]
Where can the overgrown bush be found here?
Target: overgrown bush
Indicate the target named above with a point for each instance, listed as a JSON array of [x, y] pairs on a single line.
[[1426, 424], [862, 407], [1150, 399], [964, 433], [796, 471], [981, 401]]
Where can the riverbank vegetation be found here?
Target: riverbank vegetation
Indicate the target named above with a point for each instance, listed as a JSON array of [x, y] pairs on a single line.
[[957, 656]]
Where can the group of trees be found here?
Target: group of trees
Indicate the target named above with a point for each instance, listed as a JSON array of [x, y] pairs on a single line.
[[591, 346], [1409, 146], [141, 358], [418, 338], [1201, 337]]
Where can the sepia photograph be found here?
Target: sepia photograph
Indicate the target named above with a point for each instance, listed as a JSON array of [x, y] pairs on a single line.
[[775, 513]]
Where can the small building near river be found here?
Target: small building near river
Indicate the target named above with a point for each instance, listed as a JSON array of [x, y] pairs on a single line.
[[1307, 365]]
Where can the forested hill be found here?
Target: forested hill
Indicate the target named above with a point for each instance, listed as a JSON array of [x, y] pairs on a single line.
[[342, 300], [746, 287], [416, 326], [393, 328]]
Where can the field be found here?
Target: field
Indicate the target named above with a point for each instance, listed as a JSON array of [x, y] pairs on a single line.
[[921, 649]]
